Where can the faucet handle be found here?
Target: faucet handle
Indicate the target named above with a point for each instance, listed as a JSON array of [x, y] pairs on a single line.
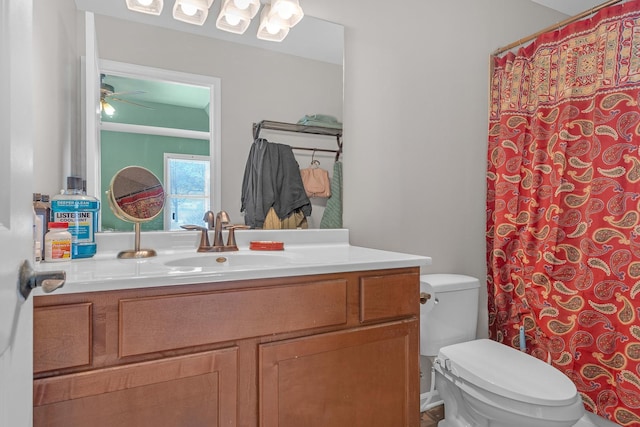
[[204, 236], [231, 239]]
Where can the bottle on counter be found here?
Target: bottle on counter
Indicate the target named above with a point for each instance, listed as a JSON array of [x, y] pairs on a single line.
[[38, 237], [81, 213], [42, 211], [57, 242]]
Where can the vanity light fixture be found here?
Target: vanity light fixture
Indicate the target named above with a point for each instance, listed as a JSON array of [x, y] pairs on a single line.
[[276, 19], [152, 7], [289, 11], [271, 28], [192, 11], [235, 15]]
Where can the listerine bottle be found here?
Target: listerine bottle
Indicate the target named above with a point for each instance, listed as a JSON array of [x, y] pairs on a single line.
[[81, 212]]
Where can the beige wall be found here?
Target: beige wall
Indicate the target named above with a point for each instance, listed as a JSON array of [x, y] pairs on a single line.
[[415, 113]]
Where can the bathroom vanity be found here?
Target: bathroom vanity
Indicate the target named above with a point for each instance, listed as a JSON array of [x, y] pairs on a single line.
[[316, 335]]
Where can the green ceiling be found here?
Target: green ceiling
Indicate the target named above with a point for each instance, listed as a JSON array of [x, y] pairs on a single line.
[[156, 91]]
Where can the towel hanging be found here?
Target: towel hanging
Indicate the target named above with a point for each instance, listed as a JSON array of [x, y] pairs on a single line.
[[332, 216]]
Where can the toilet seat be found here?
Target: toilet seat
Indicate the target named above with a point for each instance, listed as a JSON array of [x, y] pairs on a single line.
[[507, 372]]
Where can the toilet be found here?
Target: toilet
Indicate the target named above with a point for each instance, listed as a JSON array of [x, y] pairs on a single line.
[[485, 383]]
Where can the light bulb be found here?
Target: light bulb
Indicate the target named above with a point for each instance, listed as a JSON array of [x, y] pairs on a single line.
[[145, 2], [188, 9], [285, 10], [241, 4], [232, 19], [107, 108], [272, 27]]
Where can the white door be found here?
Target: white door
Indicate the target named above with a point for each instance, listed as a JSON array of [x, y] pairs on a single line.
[[16, 186]]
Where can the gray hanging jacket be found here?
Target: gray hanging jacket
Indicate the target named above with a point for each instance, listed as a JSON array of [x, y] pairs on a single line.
[[272, 179]]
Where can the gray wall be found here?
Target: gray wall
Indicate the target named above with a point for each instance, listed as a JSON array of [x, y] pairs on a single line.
[[415, 114]]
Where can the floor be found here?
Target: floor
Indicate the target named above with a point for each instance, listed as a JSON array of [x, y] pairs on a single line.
[[431, 417]]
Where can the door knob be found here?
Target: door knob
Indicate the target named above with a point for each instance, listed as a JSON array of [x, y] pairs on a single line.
[[48, 280]]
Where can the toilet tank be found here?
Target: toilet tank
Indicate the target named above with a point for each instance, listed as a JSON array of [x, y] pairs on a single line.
[[450, 316]]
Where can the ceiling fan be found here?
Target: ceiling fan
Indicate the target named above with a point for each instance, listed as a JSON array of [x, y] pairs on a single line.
[[108, 93]]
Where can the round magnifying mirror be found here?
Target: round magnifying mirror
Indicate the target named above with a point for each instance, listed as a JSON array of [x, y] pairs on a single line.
[[136, 195]]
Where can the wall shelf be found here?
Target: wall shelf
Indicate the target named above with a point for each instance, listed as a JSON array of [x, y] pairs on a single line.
[[298, 128], [294, 127]]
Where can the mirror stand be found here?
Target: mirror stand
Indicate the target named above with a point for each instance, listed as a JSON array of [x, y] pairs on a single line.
[[137, 252], [136, 195]]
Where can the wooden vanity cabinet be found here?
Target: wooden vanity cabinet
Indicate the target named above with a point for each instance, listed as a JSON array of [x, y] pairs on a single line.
[[332, 350]]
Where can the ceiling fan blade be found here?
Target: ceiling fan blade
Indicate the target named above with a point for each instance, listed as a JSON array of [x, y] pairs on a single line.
[[132, 103], [129, 92]]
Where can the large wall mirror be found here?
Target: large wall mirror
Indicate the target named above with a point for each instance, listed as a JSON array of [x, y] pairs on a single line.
[[256, 80]]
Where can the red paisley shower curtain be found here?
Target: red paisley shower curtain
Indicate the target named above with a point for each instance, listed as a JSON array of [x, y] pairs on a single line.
[[563, 206]]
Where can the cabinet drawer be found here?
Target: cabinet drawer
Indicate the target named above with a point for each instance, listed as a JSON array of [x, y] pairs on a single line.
[[61, 337], [198, 389], [386, 297], [170, 322]]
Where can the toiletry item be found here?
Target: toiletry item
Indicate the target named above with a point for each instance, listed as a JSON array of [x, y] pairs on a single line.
[[263, 245], [46, 203], [37, 243], [81, 212], [57, 242], [42, 211]]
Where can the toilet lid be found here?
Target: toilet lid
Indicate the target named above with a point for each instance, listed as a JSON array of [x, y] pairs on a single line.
[[508, 372]]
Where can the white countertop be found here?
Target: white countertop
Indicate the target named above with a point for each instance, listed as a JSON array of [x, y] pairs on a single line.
[[305, 252]]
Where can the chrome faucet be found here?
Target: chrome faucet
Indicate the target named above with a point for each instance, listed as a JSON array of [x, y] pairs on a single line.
[[221, 219]]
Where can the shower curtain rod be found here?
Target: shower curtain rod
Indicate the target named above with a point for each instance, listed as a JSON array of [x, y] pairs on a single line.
[[555, 26]]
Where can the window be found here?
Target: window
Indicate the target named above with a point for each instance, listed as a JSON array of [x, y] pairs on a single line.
[[186, 188]]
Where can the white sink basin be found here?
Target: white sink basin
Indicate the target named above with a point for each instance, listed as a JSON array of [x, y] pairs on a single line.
[[225, 260]]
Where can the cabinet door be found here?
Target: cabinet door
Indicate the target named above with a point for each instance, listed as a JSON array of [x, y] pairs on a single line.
[[366, 377], [193, 390], [61, 336]]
